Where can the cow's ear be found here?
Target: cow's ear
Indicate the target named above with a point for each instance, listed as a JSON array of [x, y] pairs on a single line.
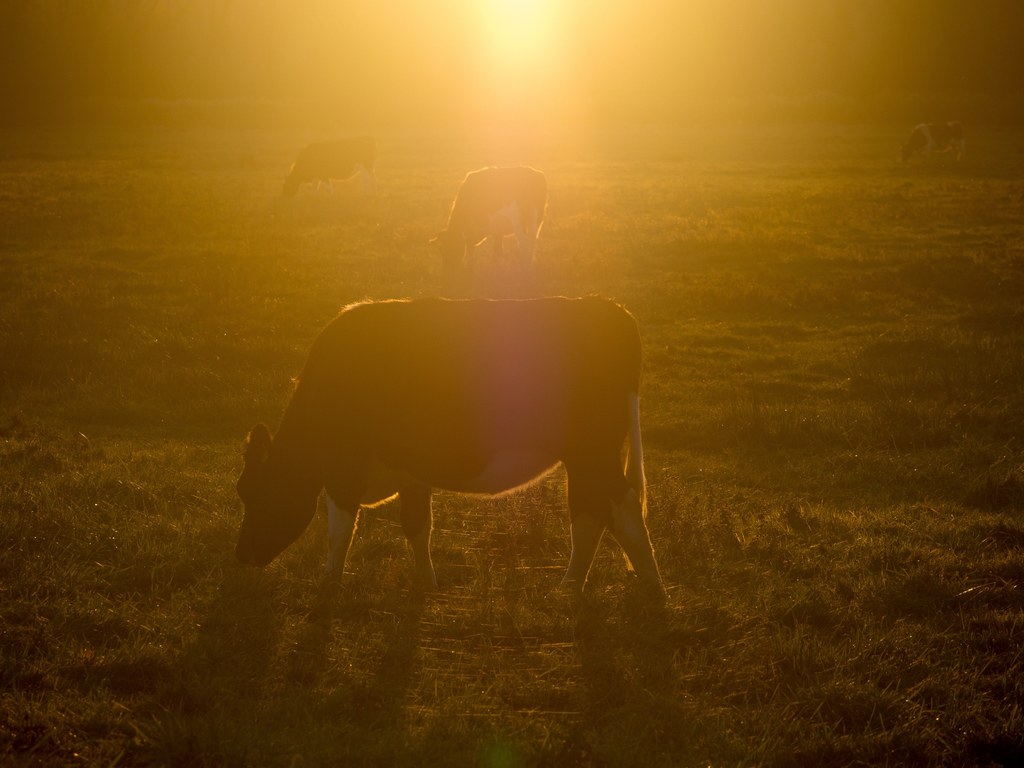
[[257, 444]]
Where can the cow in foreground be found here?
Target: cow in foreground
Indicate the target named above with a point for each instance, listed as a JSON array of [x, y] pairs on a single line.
[[927, 138], [482, 397], [327, 160], [492, 203]]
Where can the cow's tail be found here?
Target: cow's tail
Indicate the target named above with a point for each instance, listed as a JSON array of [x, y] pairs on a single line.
[[635, 454], [629, 524]]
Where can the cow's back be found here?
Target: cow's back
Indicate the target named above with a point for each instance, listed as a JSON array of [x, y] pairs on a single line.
[[946, 133], [464, 375], [489, 189], [335, 159]]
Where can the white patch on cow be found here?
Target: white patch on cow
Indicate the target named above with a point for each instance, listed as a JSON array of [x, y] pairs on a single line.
[[635, 457], [512, 220], [929, 145], [368, 179], [505, 221], [382, 485]]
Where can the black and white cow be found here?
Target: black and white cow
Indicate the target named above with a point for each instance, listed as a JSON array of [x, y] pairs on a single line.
[[327, 160], [927, 138], [478, 397], [494, 202]]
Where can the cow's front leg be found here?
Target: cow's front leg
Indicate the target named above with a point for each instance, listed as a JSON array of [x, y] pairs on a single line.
[[416, 524], [341, 526]]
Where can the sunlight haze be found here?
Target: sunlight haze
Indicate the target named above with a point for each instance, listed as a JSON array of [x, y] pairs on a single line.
[[731, 288], [455, 60]]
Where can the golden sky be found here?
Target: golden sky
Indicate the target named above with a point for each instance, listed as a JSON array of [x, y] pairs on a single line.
[[494, 58]]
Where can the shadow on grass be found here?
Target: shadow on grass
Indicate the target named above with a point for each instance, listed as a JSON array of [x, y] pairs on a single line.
[[627, 669], [204, 707], [232, 654], [367, 697], [263, 681]]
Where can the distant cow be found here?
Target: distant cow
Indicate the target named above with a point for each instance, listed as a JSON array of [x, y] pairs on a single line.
[[478, 397], [327, 160], [927, 138], [494, 202]]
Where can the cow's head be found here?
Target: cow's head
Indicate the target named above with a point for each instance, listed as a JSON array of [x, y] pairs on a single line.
[[452, 249], [279, 503]]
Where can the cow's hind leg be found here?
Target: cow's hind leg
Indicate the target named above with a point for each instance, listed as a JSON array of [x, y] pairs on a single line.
[[416, 524], [600, 498], [630, 529], [589, 512], [586, 532], [341, 526]]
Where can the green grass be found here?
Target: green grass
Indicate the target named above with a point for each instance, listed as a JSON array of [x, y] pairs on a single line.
[[833, 408]]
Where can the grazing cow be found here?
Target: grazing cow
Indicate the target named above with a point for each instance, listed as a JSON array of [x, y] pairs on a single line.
[[934, 137], [478, 397], [494, 202], [327, 160]]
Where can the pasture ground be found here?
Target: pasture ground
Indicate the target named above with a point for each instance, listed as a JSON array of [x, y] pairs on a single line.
[[833, 414]]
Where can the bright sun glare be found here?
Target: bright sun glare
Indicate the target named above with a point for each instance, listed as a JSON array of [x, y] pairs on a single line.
[[517, 36], [519, 57]]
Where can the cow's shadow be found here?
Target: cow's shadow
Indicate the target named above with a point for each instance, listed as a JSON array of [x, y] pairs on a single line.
[[626, 662], [375, 692], [235, 645], [250, 640]]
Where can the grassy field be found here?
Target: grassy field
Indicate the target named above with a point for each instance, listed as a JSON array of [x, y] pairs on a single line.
[[833, 415]]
